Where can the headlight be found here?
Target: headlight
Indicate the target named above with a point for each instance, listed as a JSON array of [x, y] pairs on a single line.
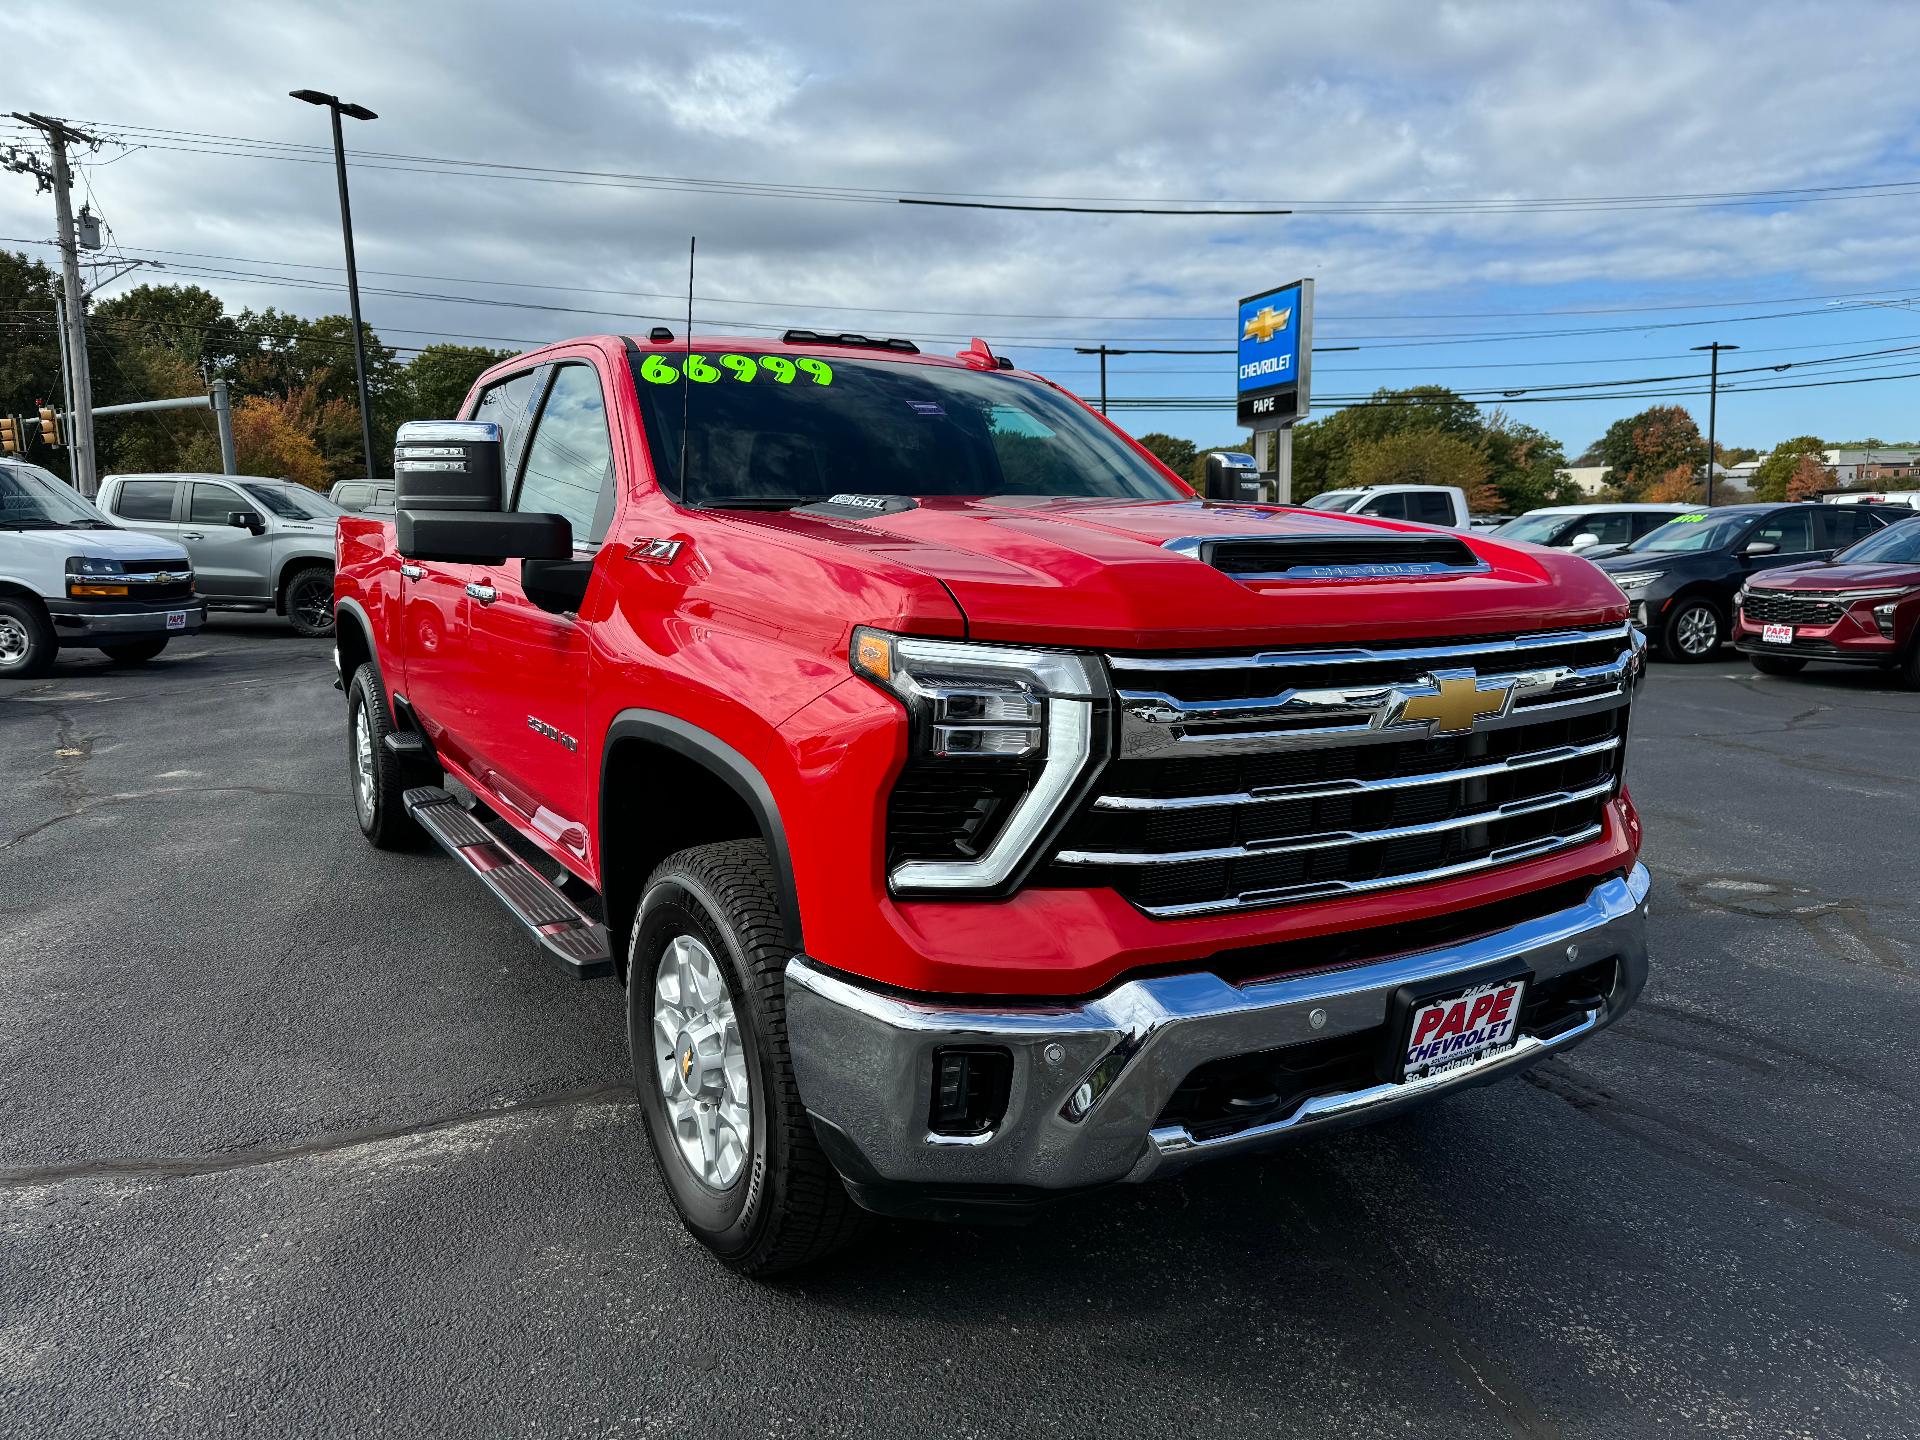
[[92, 565], [1740, 596], [1883, 617], [1637, 579], [1000, 740], [90, 577]]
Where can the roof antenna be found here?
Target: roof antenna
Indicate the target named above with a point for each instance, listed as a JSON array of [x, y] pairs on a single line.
[[686, 359]]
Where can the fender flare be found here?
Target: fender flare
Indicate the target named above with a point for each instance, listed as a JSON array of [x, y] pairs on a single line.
[[741, 776]]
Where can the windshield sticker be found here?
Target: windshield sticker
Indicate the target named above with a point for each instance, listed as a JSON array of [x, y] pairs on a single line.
[[1692, 519], [657, 370], [925, 407]]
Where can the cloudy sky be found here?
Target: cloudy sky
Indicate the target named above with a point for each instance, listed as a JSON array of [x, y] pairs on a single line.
[[1400, 134]]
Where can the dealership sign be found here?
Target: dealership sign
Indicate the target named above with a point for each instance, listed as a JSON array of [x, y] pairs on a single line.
[[1276, 340]]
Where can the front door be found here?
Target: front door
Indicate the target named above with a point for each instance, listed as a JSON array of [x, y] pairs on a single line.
[[230, 562], [535, 663]]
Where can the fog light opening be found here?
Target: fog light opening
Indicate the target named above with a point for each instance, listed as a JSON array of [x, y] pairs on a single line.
[[970, 1090]]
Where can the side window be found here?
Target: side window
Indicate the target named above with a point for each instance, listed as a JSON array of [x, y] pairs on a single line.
[[145, 500], [1791, 530], [211, 504], [1614, 529], [570, 458], [1430, 509], [1845, 524], [1646, 522], [509, 404], [1387, 507]]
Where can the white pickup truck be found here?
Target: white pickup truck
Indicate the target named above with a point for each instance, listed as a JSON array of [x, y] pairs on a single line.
[[1428, 504], [72, 579]]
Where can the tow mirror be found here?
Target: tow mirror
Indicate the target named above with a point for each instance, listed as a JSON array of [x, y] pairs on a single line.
[[251, 520], [447, 465], [1585, 540], [1760, 547]]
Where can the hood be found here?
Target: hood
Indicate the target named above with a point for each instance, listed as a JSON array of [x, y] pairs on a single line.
[[1599, 552], [112, 544], [1836, 577], [1102, 573], [1621, 561]]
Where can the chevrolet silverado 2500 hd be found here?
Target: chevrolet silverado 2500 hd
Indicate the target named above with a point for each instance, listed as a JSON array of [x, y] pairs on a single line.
[[974, 815]]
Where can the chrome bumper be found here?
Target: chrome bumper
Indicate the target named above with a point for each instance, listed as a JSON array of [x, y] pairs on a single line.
[[75, 623], [1091, 1081]]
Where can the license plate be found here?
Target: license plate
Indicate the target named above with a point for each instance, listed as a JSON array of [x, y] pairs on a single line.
[[176, 620], [1455, 1029], [1777, 634]]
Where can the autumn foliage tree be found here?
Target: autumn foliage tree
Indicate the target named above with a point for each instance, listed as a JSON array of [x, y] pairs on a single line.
[[1645, 448], [274, 435], [1676, 487], [1809, 477], [1425, 457], [1775, 474]]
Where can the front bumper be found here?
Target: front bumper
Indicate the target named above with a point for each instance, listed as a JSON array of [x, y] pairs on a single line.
[[108, 622], [1091, 1081]]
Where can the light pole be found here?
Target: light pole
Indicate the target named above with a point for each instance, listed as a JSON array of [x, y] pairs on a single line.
[[1713, 404], [338, 107]]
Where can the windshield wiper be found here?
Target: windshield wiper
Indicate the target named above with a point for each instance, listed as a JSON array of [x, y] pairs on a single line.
[[757, 502]]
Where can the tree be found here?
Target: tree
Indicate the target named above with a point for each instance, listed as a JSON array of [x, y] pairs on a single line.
[[1425, 457], [436, 381], [29, 346], [1810, 476], [1523, 465], [273, 435], [1642, 448], [1775, 473], [1171, 451], [1676, 487], [1322, 449]]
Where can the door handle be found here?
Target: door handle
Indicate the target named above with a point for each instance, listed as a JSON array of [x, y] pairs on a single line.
[[411, 572], [485, 594], [192, 535]]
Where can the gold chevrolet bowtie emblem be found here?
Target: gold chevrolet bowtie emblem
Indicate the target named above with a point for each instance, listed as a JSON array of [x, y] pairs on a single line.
[[1453, 703], [686, 1063], [1266, 322]]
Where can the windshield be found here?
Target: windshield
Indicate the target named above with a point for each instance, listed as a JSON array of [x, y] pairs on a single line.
[[1898, 544], [1335, 500], [292, 503], [1693, 533], [773, 431], [1537, 529], [34, 499]]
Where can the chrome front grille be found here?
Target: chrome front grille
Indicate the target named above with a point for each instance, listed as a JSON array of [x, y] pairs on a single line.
[[1788, 607], [1251, 780]]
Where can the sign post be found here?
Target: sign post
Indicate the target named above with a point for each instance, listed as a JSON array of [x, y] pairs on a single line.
[[1275, 367]]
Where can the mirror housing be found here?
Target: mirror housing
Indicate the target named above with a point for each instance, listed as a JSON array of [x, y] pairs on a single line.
[[481, 537], [249, 520], [448, 465], [1585, 540], [1760, 547], [556, 586]]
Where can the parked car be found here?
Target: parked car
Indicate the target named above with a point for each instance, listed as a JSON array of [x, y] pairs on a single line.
[[1428, 504], [1683, 577], [1009, 827], [1862, 607], [354, 496], [72, 580], [257, 544], [1591, 530]]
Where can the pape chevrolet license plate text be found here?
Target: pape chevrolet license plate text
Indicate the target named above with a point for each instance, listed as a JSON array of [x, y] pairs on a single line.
[[1458, 1028]]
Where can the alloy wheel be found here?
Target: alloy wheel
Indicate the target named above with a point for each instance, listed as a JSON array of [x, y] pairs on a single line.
[[363, 791], [1698, 630], [701, 1063]]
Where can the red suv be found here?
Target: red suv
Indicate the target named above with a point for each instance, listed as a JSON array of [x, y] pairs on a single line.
[[974, 815], [1862, 607]]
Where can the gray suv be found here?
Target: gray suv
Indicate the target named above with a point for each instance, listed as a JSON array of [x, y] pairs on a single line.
[[257, 544]]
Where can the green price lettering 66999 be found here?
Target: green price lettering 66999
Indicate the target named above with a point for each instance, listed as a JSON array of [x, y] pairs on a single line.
[[657, 370]]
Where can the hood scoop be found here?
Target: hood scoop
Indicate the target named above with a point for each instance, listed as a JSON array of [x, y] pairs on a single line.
[[858, 507], [1322, 558]]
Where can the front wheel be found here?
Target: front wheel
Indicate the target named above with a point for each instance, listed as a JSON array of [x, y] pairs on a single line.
[[134, 652], [375, 771], [27, 646], [310, 602], [1778, 664], [1692, 633], [707, 1024]]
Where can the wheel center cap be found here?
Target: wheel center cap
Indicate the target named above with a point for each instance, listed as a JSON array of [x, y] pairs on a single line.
[[698, 1063]]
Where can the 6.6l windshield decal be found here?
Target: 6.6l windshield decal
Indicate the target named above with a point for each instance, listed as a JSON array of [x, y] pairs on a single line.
[[744, 368]]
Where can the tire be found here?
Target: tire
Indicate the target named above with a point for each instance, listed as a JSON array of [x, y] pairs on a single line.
[[134, 652], [769, 1201], [27, 646], [1778, 664], [377, 776], [1910, 665], [1692, 633], [309, 602]]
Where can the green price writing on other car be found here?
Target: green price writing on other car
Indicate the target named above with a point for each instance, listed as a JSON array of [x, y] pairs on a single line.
[[656, 370]]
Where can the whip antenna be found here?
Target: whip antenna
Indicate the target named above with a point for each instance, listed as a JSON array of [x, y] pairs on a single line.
[[686, 358]]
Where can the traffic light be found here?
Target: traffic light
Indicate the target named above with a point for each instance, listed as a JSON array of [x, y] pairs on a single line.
[[49, 426], [9, 435]]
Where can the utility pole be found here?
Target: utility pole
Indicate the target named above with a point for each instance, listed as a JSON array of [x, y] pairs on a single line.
[[1713, 405], [1102, 351], [59, 179]]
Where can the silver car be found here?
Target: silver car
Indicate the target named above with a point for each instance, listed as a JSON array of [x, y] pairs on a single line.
[[257, 544]]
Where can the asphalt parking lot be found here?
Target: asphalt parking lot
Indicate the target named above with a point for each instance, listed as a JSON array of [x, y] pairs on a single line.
[[297, 1138]]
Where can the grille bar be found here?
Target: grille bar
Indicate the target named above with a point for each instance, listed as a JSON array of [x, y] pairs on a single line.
[[1790, 607], [1267, 795], [1332, 840], [1449, 652]]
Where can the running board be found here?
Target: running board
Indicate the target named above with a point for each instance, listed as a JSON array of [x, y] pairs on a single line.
[[577, 942]]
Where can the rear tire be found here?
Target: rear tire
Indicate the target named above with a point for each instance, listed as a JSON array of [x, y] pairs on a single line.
[[1778, 664], [27, 646], [375, 772], [1693, 633], [1910, 665], [134, 652], [765, 1200], [309, 602]]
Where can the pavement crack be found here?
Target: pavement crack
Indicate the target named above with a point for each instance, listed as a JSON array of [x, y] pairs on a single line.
[[178, 1167], [83, 803], [1761, 1040]]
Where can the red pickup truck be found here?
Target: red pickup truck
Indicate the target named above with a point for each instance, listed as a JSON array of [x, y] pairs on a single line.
[[974, 815]]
